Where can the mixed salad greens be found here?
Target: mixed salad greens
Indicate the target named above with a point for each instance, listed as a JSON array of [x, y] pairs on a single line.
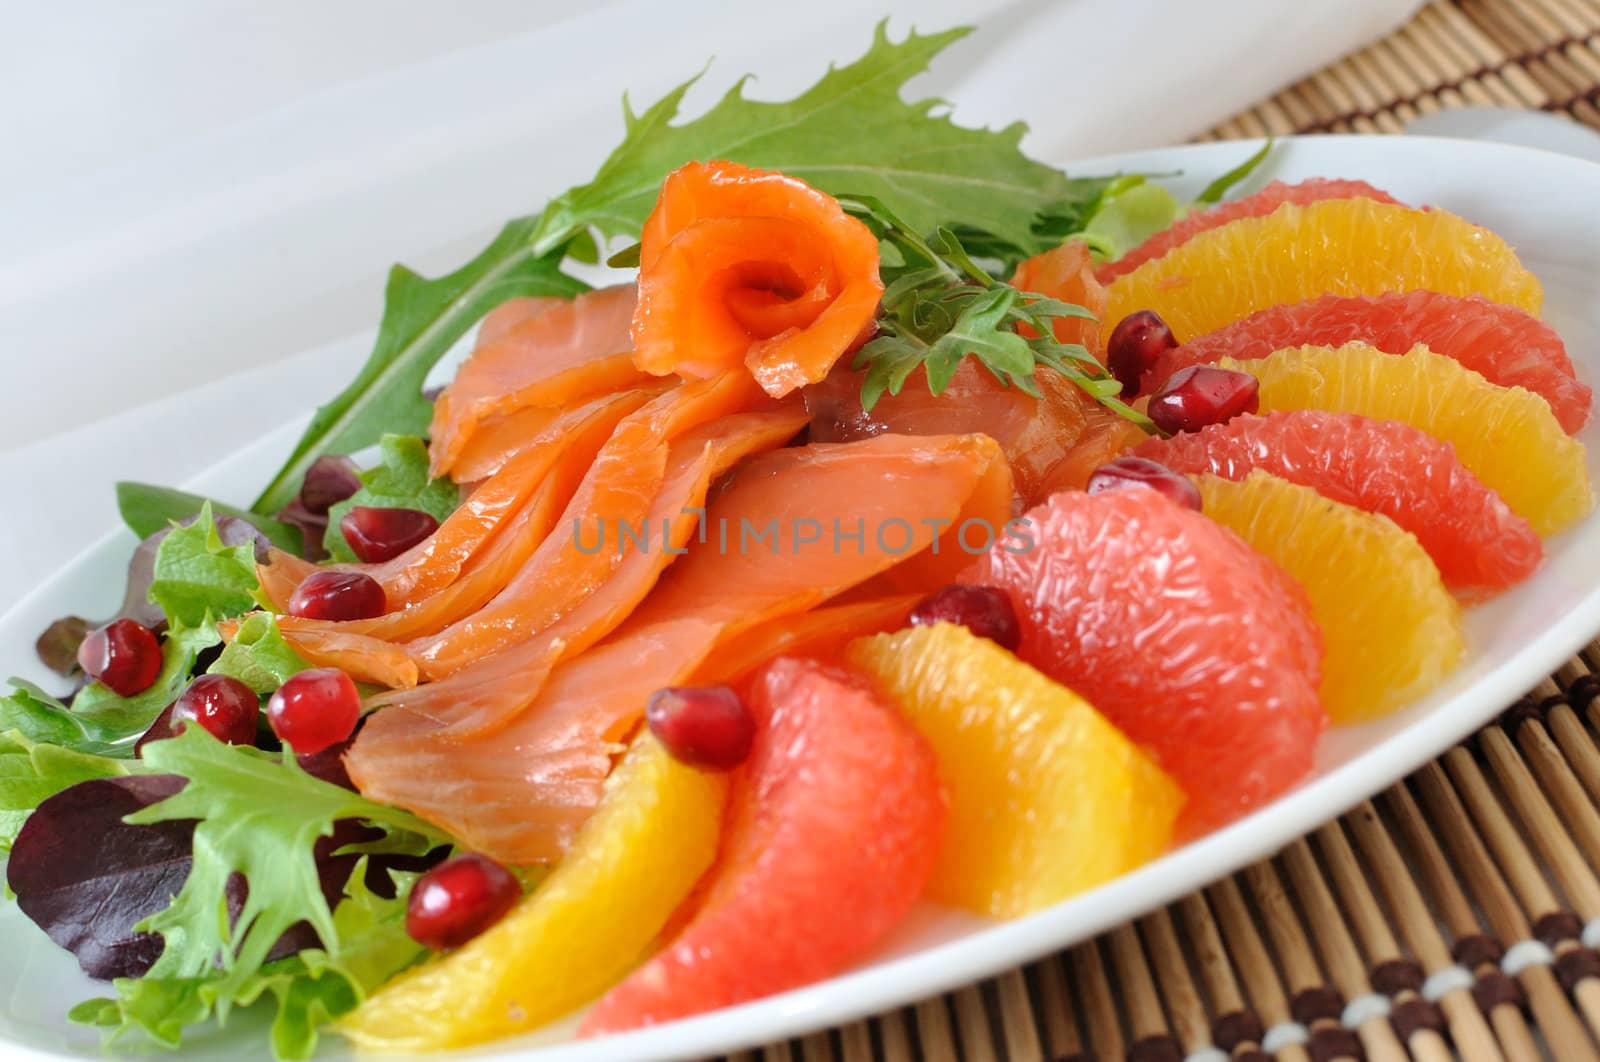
[[222, 875]]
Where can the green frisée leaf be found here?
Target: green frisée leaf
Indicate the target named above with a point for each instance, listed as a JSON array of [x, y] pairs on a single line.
[[307, 990], [257, 815], [258, 656], [399, 481], [197, 577], [422, 319], [851, 132], [146, 509]]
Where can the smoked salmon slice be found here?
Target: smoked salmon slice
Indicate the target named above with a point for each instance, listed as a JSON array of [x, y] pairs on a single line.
[[822, 632], [535, 355], [571, 439], [520, 795], [1067, 273], [619, 489], [740, 267], [485, 689], [519, 792]]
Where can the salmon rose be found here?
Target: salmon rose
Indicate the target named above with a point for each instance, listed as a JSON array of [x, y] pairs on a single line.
[[1067, 273], [739, 266]]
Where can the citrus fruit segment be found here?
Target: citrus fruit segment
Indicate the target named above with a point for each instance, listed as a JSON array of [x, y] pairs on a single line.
[[1192, 643], [1257, 205], [1381, 466], [833, 827], [1046, 797], [1337, 246], [1390, 627], [578, 932], [1507, 436], [1503, 343]]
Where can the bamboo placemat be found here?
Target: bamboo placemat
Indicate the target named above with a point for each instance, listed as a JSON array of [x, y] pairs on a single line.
[[1456, 915]]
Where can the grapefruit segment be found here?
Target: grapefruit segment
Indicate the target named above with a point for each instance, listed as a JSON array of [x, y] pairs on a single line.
[[1381, 466], [1504, 344], [1047, 799], [1507, 436], [1189, 641], [1391, 629], [653, 836], [834, 824]]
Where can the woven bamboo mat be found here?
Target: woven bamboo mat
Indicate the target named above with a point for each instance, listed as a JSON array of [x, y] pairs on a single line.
[[1457, 914]]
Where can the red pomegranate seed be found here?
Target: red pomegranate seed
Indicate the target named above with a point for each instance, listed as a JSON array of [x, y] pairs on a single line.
[[124, 655], [335, 595], [983, 610], [1145, 474], [703, 726], [1135, 344], [458, 899], [383, 534], [314, 709], [1199, 395], [226, 707]]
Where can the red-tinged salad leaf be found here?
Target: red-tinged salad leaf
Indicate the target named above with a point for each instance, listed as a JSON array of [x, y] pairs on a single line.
[[331, 479], [398, 481], [87, 879]]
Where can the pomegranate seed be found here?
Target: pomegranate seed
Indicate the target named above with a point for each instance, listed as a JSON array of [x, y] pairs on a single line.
[[703, 726], [1199, 395], [983, 610], [1145, 474], [1135, 344], [314, 709], [382, 534], [226, 707], [458, 899], [124, 655], [159, 730], [335, 595]]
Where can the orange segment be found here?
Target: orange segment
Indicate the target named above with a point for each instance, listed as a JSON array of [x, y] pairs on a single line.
[[750, 268], [1390, 629], [580, 930], [1333, 247], [1505, 435], [1047, 798]]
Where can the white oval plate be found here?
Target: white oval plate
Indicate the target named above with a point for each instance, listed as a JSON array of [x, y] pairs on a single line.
[[1542, 203]]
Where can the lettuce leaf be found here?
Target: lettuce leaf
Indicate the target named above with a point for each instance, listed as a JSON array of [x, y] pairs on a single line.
[[399, 481], [197, 577], [33, 770], [258, 656]]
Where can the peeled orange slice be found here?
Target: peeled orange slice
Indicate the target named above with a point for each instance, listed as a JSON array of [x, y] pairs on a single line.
[[1333, 247], [1390, 629], [581, 929], [1505, 435], [1047, 798]]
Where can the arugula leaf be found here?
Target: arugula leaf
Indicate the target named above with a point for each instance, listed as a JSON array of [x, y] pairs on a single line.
[[851, 132], [34, 769], [196, 577], [1213, 192], [147, 509], [258, 656], [121, 720], [422, 319], [400, 481], [258, 815], [308, 990]]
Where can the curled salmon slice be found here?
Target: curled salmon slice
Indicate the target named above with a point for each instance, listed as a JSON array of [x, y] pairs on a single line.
[[821, 633], [618, 489], [520, 795], [659, 535], [493, 518], [534, 355], [740, 267]]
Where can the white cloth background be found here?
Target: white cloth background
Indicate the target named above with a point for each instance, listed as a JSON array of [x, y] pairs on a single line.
[[199, 198]]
